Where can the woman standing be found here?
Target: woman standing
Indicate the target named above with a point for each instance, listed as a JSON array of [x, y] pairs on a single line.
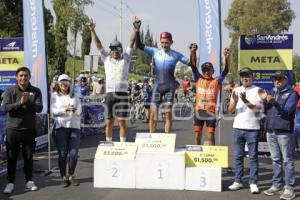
[[66, 110]]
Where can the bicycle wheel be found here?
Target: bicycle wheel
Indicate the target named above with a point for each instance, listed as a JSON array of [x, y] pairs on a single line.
[[132, 115], [225, 106]]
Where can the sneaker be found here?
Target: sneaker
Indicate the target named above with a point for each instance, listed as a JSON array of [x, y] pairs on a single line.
[[30, 186], [288, 194], [272, 191], [235, 186], [73, 181], [9, 188], [65, 183], [254, 189]]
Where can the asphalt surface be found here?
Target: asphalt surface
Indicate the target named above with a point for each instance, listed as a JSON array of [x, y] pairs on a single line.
[[50, 186]]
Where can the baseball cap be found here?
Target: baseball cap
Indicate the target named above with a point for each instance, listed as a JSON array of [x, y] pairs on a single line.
[[64, 77], [245, 70], [207, 65], [281, 74]]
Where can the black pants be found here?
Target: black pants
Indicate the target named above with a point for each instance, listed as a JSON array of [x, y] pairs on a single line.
[[15, 140]]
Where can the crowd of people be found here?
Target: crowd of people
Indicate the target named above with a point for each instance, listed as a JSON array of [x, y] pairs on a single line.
[[249, 102]]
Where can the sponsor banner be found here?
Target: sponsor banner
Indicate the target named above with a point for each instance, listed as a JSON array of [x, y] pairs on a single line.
[[210, 41], [11, 44], [206, 156], [7, 78], [93, 119], [34, 46], [266, 54], [11, 60], [116, 150], [158, 142], [263, 78], [267, 59], [266, 42]]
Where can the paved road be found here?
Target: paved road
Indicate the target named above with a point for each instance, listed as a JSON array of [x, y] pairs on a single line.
[[50, 188]]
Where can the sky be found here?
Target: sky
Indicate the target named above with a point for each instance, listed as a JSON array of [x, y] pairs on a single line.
[[176, 16]]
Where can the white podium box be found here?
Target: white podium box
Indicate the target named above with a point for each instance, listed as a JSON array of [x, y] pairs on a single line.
[[160, 170], [114, 173], [203, 178], [114, 165]]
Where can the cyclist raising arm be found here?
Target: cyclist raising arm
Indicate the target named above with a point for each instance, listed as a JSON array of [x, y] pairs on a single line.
[[164, 63], [207, 88], [116, 66]]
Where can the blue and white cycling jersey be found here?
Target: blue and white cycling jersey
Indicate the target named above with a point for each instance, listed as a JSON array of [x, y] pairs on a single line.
[[165, 63]]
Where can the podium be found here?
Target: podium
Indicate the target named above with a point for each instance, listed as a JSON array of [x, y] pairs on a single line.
[[160, 170], [204, 167], [152, 162], [114, 165]]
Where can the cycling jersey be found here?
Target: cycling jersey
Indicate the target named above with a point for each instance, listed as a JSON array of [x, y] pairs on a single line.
[[207, 92], [164, 64]]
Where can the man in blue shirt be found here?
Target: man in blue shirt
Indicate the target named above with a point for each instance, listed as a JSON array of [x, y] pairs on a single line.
[[281, 107], [164, 63]]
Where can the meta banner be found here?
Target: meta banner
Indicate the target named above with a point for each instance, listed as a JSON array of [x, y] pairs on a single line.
[[11, 58], [266, 54], [34, 46], [210, 40]]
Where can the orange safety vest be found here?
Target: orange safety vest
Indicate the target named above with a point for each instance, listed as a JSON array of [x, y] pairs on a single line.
[[207, 94]]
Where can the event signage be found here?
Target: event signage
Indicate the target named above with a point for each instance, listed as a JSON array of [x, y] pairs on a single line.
[[206, 156], [155, 142], [116, 150], [11, 58], [265, 54]]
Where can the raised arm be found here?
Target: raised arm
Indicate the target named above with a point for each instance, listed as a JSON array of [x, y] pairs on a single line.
[[227, 62], [193, 60], [91, 25], [137, 25]]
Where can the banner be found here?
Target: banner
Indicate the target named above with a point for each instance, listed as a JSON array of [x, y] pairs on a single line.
[[210, 40], [266, 54], [34, 46], [11, 58]]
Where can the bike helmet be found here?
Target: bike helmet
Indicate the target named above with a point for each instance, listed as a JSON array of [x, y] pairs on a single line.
[[116, 45]]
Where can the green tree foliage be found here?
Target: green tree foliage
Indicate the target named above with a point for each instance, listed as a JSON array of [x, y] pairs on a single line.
[[296, 67], [256, 17], [86, 41], [11, 11], [67, 16], [142, 62]]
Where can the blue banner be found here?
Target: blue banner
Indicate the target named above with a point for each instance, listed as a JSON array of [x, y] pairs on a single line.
[[34, 46], [11, 44], [266, 42], [11, 58], [210, 40]]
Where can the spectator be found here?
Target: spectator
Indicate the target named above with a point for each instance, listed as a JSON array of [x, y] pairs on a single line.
[[66, 109], [281, 108], [22, 101], [248, 104]]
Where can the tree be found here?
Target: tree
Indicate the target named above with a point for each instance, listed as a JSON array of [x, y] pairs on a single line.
[[86, 41], [257, 17], [296, 67], [11, 11], [67, 16]]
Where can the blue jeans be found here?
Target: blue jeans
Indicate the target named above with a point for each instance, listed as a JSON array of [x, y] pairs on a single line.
[[67, 142], [240, 138], [281, 146]]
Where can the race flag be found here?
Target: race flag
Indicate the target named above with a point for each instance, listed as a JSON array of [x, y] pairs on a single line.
[[210, 33], [34, 46]]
